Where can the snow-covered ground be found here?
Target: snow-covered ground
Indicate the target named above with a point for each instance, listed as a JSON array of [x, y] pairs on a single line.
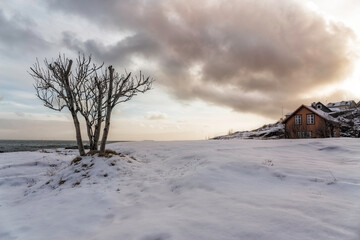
[[236, 189]]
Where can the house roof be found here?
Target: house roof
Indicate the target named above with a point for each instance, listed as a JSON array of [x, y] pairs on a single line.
[[323, 107], [320, 113], [339, 104]]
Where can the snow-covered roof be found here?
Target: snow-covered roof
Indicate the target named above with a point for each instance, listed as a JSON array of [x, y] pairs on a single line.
[[336, 109], [322, 114], [339, 104], [318, 112]]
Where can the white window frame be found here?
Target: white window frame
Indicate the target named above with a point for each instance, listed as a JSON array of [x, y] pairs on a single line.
[[298, 119], [310, 119]]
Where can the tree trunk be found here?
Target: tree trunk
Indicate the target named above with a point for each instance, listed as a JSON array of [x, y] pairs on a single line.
[[78, 134], [71, 106], [90, 135], [97, 134], [105, 133], [108, 111], [97, 129]]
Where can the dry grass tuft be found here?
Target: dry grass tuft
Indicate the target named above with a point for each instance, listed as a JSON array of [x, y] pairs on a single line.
[[76, 161], [92, 152], [61, 182]]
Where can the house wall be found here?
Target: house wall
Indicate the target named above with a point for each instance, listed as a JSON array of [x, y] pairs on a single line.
[[320, 128]]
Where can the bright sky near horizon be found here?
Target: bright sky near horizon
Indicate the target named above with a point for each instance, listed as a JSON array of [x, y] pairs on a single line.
[[218, 64]]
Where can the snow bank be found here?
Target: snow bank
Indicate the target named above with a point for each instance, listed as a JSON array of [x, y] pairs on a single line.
[[236, 189]]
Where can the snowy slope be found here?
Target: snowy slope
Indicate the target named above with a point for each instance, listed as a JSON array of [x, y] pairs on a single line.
[[350, 122], [269, 131], [237, 189]]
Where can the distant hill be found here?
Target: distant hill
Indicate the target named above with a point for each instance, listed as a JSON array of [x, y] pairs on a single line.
[[349, 127]]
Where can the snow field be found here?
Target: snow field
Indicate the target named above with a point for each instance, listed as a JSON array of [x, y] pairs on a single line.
[[234, 189]]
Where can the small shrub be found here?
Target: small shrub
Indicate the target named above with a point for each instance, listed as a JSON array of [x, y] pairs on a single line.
[[51, 171], [31, 182], [334, 180], [268, 163]]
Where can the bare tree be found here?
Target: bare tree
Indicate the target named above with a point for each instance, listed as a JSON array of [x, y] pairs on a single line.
[[96, 97], [85, 91], [121, 88], [54, 86]]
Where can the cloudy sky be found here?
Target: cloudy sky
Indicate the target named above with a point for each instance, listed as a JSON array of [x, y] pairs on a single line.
[[218, 64]]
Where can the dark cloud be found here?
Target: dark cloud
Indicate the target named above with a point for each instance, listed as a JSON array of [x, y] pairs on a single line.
[[252, 56], [17, 35], [120, 52]]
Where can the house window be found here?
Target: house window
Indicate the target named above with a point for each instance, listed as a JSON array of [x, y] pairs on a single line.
[[310, 119], [304, 134], [298, 119]]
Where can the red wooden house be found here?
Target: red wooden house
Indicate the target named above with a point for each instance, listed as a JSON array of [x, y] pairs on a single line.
[[310, 122]]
